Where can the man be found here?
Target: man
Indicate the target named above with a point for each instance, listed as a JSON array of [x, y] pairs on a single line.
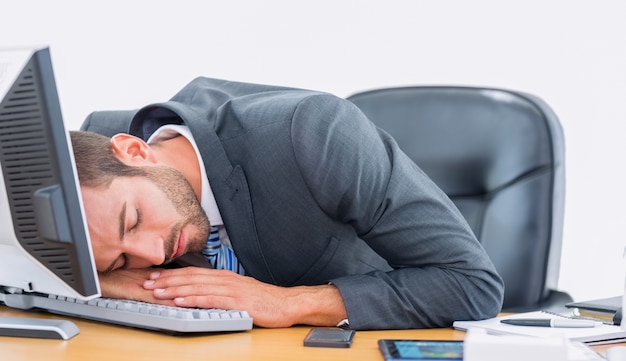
[[330, 222]]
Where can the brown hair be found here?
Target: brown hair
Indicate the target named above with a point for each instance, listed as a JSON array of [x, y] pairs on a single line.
[[96, 163]]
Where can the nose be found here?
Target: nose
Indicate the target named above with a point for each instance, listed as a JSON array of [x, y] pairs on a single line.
[[145, 252]]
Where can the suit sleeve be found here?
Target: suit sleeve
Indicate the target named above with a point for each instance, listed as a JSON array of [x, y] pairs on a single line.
[[359, 176]]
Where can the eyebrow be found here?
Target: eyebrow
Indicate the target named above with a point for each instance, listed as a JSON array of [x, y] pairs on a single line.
[[122, 231], [123, 221]]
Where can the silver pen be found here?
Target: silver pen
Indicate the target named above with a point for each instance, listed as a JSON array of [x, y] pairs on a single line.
[[551, 322]]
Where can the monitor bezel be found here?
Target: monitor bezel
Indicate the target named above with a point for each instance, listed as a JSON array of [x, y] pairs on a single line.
[[37, 263]]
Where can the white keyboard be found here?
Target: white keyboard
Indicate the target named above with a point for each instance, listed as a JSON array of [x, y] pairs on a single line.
[[136, 314]]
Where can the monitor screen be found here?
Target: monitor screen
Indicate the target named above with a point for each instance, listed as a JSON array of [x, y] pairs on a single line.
[[44, 241]]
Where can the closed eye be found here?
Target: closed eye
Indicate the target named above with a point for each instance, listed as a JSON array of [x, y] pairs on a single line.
[[138, 221]]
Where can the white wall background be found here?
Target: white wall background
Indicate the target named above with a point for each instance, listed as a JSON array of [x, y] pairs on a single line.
[[124, 54]]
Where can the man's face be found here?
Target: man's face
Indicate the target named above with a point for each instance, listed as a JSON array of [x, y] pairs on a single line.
[[139, 222]]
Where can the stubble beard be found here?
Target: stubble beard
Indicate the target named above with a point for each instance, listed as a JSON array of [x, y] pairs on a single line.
[[179, 191]]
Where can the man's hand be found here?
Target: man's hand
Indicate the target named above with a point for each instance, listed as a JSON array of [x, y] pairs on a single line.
[[268, 305], [128, 284]]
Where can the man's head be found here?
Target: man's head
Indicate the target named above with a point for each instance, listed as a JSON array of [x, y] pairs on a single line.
[[139, 211]]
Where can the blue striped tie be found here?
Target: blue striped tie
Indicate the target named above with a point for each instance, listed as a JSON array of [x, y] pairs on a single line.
[[220, 255]]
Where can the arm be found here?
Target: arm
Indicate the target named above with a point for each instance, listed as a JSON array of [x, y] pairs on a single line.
[[360, 177], [268, 305]]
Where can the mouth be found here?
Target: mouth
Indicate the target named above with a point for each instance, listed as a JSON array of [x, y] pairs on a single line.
[[180, 246]]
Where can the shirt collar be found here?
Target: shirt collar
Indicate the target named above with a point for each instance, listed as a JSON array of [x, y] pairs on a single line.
[[207, 199]]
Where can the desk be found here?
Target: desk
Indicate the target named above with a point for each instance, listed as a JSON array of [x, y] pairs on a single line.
[[102, 342]]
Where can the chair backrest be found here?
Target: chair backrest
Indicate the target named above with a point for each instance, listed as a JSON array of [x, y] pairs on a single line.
[[499, 155]]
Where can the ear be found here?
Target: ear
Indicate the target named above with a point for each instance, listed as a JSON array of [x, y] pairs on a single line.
[[132, 150]]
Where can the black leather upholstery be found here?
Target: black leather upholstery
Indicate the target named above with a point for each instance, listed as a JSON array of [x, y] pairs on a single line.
[[499, 155]]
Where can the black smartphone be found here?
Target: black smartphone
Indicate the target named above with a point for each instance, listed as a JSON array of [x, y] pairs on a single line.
[[329, 337], [421, 350]]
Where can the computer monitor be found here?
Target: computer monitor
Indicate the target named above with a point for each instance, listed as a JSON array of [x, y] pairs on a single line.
[[44, 241]]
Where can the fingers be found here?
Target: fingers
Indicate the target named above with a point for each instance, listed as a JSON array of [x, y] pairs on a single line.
[[183, 277], [206, 288], [224, 303]]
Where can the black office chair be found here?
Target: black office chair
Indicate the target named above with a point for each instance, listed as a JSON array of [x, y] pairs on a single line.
[[499, 155]]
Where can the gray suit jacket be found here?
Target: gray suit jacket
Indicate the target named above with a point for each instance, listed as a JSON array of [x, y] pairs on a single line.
[[312, 192]]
